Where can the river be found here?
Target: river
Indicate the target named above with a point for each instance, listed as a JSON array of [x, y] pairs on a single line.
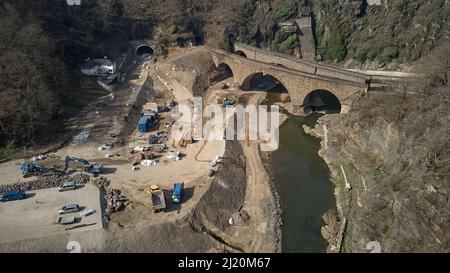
[[301, 178]]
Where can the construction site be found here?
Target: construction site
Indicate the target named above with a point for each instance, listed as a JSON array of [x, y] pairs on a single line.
[[135, 185]]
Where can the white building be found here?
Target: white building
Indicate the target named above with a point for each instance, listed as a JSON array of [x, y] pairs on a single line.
[[98, 67]]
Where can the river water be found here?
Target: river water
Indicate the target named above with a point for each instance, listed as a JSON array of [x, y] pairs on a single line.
[[301, 178]]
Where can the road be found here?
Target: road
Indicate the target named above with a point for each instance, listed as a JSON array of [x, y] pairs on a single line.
[[258, 191]]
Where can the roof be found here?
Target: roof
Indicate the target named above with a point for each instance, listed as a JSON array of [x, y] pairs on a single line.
[[13, 192], [97, 62]]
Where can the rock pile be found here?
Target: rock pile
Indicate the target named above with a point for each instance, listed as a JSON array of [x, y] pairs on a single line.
[[43, 182], [115, 201]]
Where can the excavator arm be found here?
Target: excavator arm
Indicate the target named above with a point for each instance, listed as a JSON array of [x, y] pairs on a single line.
[[95, 168]]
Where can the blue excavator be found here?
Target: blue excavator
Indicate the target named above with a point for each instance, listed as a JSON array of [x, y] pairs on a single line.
[[95, 168]]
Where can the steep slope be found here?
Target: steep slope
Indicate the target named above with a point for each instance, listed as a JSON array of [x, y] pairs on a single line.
[[394, 151]]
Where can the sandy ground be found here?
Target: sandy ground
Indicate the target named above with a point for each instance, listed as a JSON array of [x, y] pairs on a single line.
[[35, 215], [95, 127]]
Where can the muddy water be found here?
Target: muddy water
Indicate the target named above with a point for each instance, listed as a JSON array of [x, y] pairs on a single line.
[[302, 181]]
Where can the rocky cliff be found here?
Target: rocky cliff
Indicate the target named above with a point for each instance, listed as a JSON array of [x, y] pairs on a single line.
[[390, 160]]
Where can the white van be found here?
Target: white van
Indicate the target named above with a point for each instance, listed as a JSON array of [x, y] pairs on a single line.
[[67, 186]]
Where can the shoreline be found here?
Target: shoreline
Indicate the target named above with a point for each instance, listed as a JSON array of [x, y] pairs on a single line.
[[336, 238], [278, 211], [266, 158]]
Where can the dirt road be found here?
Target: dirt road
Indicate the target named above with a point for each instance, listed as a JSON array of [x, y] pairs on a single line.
[[258, 192]]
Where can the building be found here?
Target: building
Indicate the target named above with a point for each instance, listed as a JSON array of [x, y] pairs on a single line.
[[151, 106], [286, 24], [98, 67]]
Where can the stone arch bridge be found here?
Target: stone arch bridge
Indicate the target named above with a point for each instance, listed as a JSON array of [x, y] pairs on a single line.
[[299, 77]]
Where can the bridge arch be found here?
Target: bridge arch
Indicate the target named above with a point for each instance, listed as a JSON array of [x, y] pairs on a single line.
[[322, 100], [222, 72], [240, 53], [263, 82]]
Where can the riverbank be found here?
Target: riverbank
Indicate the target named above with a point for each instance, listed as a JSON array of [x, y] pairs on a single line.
[[300, 181]]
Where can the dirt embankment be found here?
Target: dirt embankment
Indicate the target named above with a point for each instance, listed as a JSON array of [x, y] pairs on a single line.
[[193, 70], [225, 196], [394, 155]]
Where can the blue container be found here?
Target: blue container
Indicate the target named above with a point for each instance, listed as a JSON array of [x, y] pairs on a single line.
[[144, 124]]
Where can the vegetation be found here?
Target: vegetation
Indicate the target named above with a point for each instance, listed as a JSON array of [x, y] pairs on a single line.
[[335, 48], [42, 43], [403, 31], [30, 93], [378, 175]]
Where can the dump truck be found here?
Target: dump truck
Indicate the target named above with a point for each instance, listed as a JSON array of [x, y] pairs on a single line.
[[158, 199], [177, 194]]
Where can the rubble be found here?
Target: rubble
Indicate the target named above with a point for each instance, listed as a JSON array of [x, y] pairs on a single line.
[[115, 201], [148, 163]]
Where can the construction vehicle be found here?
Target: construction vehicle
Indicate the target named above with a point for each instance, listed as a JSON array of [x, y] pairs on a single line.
[[158, 199], [95, 168], [177, 194], [227, 102], [12, 196], [185, 140], [32, 168]]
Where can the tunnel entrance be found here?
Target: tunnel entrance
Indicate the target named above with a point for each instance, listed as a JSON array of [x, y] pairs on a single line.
[[144, 51], [261, 82], [221, 73], [322, 101]]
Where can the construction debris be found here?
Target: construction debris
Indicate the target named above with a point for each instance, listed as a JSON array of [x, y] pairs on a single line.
[[148, 163], [176, 155], [39, 157], [115, 201]]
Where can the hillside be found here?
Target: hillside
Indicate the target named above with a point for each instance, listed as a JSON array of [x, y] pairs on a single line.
[[395, 152]]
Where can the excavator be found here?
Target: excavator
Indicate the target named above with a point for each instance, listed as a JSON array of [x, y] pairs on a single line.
[[95, 168]]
